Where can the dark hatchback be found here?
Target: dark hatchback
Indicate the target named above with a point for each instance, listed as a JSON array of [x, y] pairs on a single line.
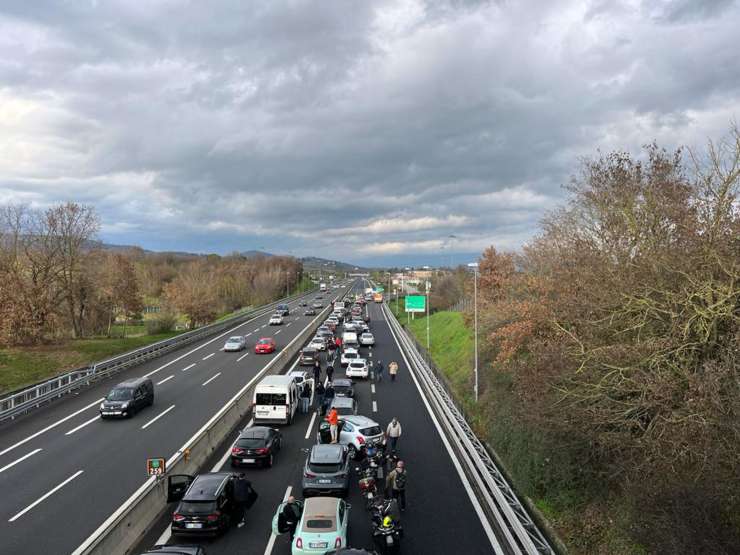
[[343, 387], [206, 503], [309, 357], [256, 445], [128, 398], [309, 312]]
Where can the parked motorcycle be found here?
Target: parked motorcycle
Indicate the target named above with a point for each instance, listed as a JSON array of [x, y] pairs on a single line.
[[386, 522], [368, 485]]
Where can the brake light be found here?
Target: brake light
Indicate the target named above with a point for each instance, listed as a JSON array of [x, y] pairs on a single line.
[[213, 517], [237, 451], [338, 542], [262, 451], [361, 440], [299, 543], [308, 474], [177, 517]]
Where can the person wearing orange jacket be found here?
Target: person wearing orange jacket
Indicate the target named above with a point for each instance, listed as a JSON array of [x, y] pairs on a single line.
[[333, 420]]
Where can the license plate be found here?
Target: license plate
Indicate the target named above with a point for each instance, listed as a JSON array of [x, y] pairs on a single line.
[[324, 481], [247, 461], [193, 525], [318, 545]]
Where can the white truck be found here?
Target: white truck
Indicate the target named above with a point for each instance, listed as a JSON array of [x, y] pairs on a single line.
[[322, 287]]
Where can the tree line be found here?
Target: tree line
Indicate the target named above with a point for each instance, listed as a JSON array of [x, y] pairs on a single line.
[[58, 281], [619, 326]]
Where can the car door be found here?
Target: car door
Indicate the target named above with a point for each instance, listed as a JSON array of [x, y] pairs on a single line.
[[276, 521], [343, 519], [139, 398], [346, 432], [177, 485]]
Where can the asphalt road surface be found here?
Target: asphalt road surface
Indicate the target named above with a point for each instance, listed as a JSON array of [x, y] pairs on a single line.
[[63, 471], [440, 517]]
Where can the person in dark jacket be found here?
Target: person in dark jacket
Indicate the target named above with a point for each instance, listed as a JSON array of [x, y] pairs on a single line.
[[330, 372], [328, 396], [317, 372], [244, 497], [320, 391], [305, 397], [291, 514]]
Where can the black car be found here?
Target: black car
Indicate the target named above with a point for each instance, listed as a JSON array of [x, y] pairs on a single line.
[[309, 312], [283, 309], [343, 387], [176, 550], [206, 503], [308, 357], [256, 445], [128, 398], [303, 303]]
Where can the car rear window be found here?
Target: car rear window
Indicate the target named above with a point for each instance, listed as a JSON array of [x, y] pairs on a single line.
[[325, 523], [235, 339], [196, 507], [271, 398], [371, 431], [357, 364], [250, 442], [325, 468]]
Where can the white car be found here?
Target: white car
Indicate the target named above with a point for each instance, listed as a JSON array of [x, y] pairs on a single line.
[[367, 338], [348, 356], [276, 320], [235, 343], [317, 343], [299, 376], [357, 369]]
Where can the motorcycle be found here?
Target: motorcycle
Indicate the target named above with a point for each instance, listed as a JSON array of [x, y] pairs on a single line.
[[386, 523], [368, 485]]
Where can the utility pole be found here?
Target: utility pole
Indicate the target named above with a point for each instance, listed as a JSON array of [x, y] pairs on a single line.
[[474, 265], [427, 303]]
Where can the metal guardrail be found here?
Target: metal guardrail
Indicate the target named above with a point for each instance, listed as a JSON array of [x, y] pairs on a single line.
[[30, 398], [519, 530]]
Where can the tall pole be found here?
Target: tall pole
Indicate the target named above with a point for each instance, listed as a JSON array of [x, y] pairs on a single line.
[[475, 310], [427, 303]]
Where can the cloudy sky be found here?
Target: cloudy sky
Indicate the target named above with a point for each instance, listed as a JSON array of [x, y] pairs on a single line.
[[369, 131]]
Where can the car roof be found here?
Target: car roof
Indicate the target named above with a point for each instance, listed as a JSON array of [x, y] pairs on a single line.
[[326, 453], [205, 486], [135, 382], [343, 402], [276, 379], [320, 506], [359, 420], [342, 381], [255, 432]]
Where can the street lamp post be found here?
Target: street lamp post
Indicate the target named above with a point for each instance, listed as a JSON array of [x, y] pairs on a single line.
[[474, 265], [427, 303]]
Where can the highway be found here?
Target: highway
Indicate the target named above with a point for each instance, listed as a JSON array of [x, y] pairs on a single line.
[[441, 517], [63, 471]]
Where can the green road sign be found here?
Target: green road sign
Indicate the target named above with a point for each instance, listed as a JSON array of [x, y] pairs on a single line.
[[415, 303], [379, 289], [156, 467]]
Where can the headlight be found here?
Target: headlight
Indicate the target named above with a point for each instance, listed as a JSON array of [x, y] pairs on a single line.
[[102, 405], [124, 405]]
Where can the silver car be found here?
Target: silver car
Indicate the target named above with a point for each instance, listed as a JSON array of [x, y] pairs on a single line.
[[235, 343], [367, 338], [276, 320], [326, 471]]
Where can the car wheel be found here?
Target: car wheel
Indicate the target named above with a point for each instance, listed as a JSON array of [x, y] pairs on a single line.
[[269, 462]]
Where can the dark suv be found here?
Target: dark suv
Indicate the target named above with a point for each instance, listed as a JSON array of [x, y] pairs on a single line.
[[128, 398], [326, 471], [282, 309], [309, 357], [206, 503]]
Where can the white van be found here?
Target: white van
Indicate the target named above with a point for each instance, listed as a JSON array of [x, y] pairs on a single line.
[[275, 400], [349, 339]]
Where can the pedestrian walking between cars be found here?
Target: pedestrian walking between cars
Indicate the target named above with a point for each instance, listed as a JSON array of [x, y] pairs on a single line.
[[393, 370], [379, 371], [396, 483], [393, 433]]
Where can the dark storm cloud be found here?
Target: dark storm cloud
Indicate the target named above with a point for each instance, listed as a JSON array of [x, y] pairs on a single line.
[[357, 130]]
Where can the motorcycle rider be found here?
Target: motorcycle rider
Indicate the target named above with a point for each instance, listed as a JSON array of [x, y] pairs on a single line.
[[396, 483]]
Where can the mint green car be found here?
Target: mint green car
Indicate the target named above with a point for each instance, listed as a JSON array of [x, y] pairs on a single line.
[[322, 528]]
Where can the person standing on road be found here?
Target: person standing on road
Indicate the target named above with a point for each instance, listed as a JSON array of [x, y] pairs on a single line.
[[320, 391], [242, 489], [338, 343], [291, 515], [305, 397], [379, 371], [393, 432], [329, 372], [328, 395], [317, 371], [393, 370], [396, 483], [333, 420]]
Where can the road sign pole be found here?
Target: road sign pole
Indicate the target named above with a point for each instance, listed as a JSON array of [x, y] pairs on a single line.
[[427, 303]]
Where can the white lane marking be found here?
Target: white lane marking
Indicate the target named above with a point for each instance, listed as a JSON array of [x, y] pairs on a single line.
[[168, 378], [250, 333], [43, 497], [264, 325], [241, 357], [222, 461], [273, 537], [165, 537], [209, 380], [310, 424], [463, 478], [208, 356], [375, 406], [289, 323], [160, 415], [188, 367], [23, 458], [278, 331], [73, 430], [372, 387], [371, 354], [51, 426], [255, 331]]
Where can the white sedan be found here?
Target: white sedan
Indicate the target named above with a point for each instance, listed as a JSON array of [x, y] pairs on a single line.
[[367, 338], [276, 320], [357, 369], [318, 343], [348, 356], [235, 343]]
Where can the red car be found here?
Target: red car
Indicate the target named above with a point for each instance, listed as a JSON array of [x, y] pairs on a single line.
[[264, 346]]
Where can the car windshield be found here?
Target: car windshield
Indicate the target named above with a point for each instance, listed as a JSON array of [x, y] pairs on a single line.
[[196, 507], [370, 431], [121, 394], [325, 468], [250, 442], [357, 364], [264, 342], [235, 339]]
